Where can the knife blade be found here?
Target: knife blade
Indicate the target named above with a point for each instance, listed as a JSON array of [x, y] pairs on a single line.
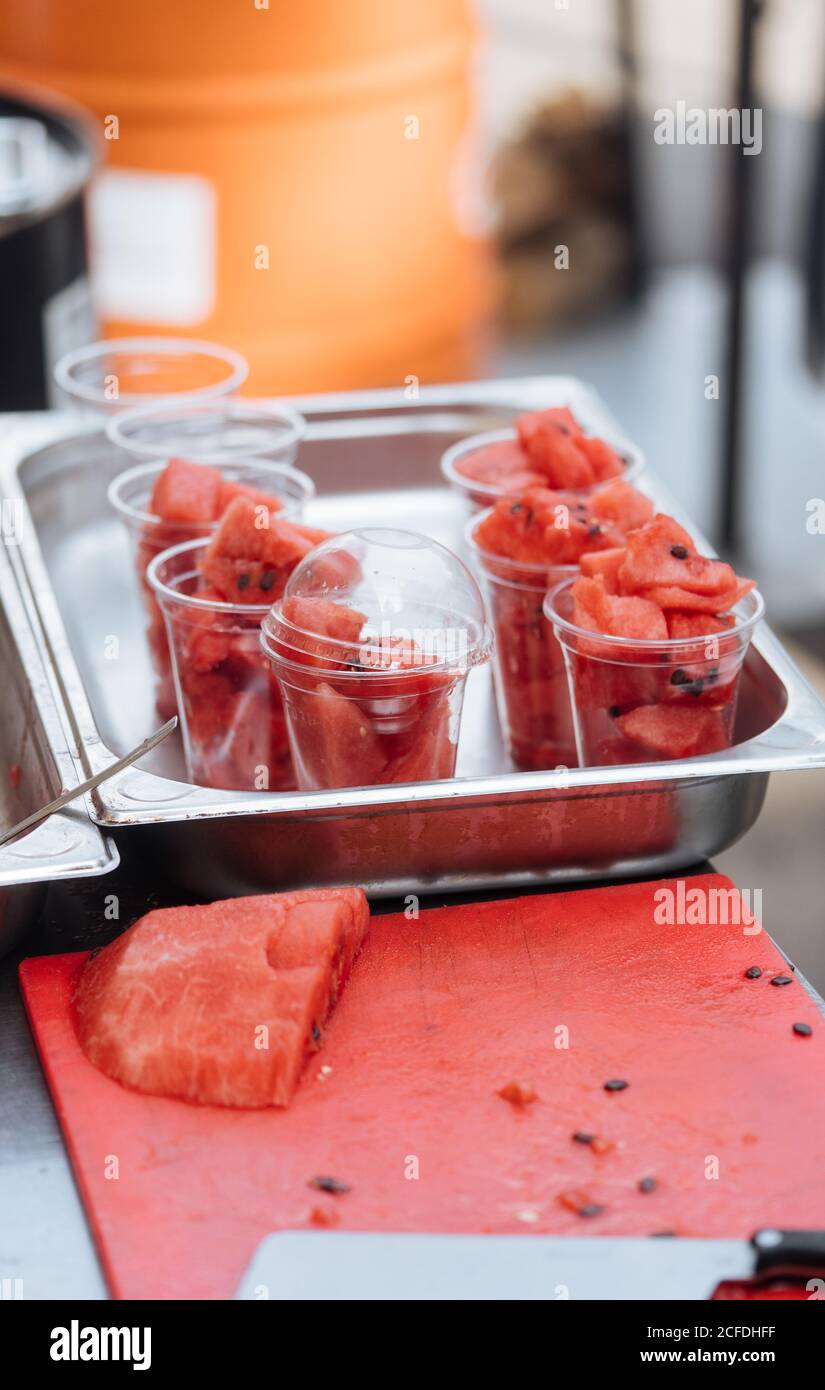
[[365, 1266]]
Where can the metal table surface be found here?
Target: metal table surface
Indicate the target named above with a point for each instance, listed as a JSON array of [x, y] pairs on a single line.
[[44, 1238]]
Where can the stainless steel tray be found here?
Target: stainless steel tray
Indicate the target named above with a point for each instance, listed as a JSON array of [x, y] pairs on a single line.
[[375, 458], [35, 765]]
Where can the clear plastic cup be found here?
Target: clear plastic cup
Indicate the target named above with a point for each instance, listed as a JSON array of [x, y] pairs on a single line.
[[477, 494], [532, 694], [638, 701], [214, 432], [149, 535], [372, 643], [230, 706], [117, 373]]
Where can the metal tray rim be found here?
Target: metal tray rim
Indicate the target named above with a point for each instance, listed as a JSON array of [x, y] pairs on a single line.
[[68, 845]]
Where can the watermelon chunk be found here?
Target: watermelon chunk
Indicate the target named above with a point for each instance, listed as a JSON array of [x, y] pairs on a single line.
[[502, 464], [696, 624], [230, 490], [597, 610], [672, 597], [551, 441], [603, 459], [252, 553], [218, 1004], [604, 565], [195, 494], [662, 554], [206, 640], [333, 739], [316, 619], [676, 731], [622, 504], [544, 527], [187, 493]]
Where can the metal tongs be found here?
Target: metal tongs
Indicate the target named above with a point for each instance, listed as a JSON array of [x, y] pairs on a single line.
[[65, 798]]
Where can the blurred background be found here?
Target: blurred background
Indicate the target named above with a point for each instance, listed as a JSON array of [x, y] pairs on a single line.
[[378, 192]]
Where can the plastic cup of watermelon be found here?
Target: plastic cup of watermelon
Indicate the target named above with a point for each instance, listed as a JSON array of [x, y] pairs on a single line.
[[118, 373], [501, 454], [642, 701], [232, 717], [532, 694], [372, 643], [149, 535]]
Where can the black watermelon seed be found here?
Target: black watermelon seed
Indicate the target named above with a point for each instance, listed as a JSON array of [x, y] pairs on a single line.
[[591, 1209], [329, 1185], [648, 1184], [713, 675], [697, 687], [680, 677], [581, 1138], [614, 711], [803, 1030], [753, 972], [243, 581], [562, 429], [781, 980], [515, 509], [316, 1033], [268, 579], [679, 552], [594, 529], [616, 1085], [530, 515]]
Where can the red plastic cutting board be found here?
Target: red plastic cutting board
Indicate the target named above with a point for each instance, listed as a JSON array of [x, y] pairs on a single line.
[[440, 1013]]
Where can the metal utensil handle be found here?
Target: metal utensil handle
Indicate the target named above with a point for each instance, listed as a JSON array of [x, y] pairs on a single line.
[[73, 793], [783, 1250]]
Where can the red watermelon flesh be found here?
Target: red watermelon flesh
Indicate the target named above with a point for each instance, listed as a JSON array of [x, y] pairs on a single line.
[[544, 527], [550, 438], [531, 679], [688, 625], [230, 490], [603, 459], [503, 464], [196, 494], [670, 731], [250, 556], [236, 733], [333, 740], [598, 611], [187, 493], [622, 504], [662, 554], [314, 619], [218, 1004], [203, 637], [604, 565], [425, 753], [670, 597]]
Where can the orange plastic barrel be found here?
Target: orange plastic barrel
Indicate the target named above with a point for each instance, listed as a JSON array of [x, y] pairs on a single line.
[[295, 180]]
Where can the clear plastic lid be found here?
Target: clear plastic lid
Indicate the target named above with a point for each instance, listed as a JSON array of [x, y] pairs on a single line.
[[419, 607]]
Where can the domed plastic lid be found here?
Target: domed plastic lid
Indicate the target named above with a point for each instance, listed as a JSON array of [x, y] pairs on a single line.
[[380, 600]]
